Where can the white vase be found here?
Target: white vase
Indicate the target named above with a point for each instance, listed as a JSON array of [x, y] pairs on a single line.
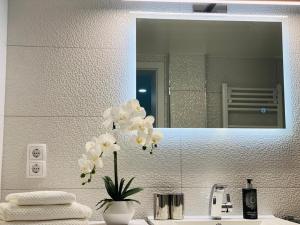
[[119, 213]]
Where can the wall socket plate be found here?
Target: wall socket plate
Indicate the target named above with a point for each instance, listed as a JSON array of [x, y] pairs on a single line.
[[36, 152], [36, 161], [36, 169]]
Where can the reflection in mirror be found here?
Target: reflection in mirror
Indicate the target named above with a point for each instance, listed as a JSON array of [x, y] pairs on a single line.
[[211, 74]]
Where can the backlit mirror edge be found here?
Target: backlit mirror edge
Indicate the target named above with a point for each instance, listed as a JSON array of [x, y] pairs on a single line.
[[236, 17]]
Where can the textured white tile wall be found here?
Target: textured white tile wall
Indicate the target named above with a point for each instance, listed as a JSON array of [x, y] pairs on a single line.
[[3, 44], [70, 59], [187, 79]]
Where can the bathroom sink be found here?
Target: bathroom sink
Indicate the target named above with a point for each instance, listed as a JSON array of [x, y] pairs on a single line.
[[233, 220], [219, 222]]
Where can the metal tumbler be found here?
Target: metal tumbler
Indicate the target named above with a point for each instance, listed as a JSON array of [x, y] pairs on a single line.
[[161, 207], [176, 206]]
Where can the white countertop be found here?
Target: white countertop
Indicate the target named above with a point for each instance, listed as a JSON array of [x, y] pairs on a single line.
[[267, 220], [226, 217], [132, 222], [190, 220]]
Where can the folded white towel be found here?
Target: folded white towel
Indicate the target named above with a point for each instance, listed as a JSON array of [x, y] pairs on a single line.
[[13, 212], [41, 198], [51, 222]]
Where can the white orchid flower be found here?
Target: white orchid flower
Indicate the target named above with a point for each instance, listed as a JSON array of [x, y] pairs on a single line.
[[135, 108], [149, 135], [142, 125], [137, 123], [116, 116], [86, 165], [140, 138], [128, 117], [94, 156], [108, 143], [93, 145], [149, 121], [121, 116], [156, 137], [89, 145]]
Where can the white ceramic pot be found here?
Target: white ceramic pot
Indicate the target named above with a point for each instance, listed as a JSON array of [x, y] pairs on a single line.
[[119, 213]]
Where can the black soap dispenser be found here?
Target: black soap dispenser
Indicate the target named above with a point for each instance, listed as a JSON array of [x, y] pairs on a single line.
[[249, 201]]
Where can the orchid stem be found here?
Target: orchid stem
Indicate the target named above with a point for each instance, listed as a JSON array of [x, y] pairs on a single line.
[[116, 170]]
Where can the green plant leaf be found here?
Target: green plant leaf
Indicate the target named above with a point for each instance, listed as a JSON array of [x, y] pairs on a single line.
[[110, 187], [107, 184], [121, 186], [107, 179], [128, 185], [131, 192], [108, 205], [100, 202], [104, 202], [132, 200]]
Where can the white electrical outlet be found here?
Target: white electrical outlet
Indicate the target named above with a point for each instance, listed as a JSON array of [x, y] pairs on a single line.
[[36, 161], [37, 152], [36, 169]]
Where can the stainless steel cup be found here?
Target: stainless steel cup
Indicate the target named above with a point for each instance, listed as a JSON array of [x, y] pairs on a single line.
[[161, 207], [176, 206]]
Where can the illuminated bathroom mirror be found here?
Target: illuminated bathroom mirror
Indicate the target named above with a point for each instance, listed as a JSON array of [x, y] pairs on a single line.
[[211, 74]]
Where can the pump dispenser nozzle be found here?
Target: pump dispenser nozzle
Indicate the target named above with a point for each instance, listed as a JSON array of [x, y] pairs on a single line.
[[249, 183]]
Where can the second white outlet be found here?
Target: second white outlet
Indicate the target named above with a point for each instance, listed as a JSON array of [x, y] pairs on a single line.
[[36, 169]]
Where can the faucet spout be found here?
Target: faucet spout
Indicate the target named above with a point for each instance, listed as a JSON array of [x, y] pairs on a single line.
[[216, 204]]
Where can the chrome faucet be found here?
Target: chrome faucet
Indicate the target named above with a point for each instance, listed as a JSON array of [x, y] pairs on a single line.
[[216, 205]]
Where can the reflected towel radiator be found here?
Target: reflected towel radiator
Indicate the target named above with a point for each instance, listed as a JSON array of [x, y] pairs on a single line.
[[260, 100]]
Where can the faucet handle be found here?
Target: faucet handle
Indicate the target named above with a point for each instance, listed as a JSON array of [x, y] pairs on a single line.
[[228, 198], [227, 206]]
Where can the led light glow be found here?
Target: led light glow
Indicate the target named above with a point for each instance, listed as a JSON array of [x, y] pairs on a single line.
[[221, 134], [142, 90], [247, 2]]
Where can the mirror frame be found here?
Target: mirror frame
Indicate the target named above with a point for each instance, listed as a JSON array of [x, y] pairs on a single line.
[[235, 17]]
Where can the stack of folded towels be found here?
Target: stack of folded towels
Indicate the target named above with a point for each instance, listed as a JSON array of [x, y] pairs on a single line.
[[43, 208]]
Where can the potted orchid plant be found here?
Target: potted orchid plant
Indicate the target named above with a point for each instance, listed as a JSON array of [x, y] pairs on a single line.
[[130, 118]]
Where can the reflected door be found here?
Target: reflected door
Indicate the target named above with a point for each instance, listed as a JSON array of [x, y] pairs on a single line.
[[146, 90]]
